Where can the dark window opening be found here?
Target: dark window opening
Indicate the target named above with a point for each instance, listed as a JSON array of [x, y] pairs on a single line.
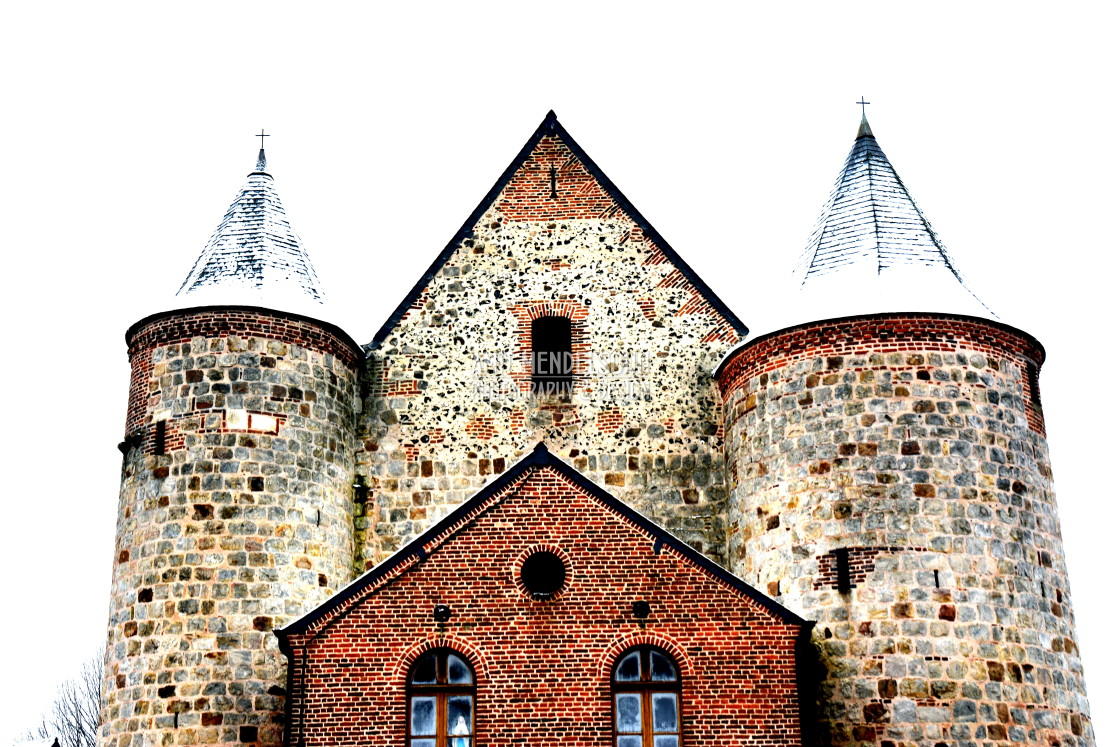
[[543, 574], [1033, 392], [552, 364], [843, 571], [441, 693], [161, 437]]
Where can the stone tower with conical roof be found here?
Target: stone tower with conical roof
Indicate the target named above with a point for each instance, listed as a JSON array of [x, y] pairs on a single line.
[[891, 480], [235, 503]]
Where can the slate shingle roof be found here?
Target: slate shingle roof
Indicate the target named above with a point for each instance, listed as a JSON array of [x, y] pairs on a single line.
[[873, 251], [254, 255], [871, 218]]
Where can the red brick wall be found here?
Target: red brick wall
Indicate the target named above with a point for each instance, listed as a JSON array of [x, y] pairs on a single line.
[[543, 668]]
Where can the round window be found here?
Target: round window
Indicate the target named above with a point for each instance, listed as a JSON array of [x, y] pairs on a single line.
[[543, 574]]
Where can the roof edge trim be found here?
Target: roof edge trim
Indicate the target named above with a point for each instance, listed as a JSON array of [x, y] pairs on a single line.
[[550, 125], [539, 457], [332, 328], [733, 352]]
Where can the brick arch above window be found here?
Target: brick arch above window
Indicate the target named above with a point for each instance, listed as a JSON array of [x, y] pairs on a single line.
[[610, 657], [524, 315], [466, 649]]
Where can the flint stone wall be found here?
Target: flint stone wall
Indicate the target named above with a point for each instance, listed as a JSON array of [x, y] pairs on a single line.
[[450, 402]]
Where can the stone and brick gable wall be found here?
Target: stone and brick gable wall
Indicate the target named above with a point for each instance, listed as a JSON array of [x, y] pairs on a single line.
[[234, 517], [543, 667], [908, 441], [450, 382]]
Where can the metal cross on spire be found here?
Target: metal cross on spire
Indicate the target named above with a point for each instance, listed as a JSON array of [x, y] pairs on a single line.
[[262, 136], [862, 108]]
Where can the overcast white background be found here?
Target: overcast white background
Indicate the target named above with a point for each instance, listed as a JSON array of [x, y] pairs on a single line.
[[126, 129]]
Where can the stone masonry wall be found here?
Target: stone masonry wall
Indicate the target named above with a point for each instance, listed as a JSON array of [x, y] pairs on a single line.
[[909, 447], [234, 518], [450, 404]]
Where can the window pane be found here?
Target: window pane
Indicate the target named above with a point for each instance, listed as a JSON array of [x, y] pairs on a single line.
[[664, 742], [662, 670], [459, 742], [423, 743], [629, 742], [628, 712], [459, 715], [423, 716], [457, 671], [664, 712], [628, 669], [424, 671]]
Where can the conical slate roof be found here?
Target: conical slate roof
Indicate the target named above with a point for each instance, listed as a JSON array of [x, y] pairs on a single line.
[[871, 219], [254, 256], [872, 249]]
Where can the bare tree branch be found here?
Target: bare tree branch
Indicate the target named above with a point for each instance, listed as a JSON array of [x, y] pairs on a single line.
[[76, 711]]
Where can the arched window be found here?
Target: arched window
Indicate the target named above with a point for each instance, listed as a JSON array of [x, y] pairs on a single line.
[[441, 701], [646, 689], [552, 355]]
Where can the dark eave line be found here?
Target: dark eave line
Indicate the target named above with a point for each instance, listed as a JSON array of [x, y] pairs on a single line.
[[550, 126]]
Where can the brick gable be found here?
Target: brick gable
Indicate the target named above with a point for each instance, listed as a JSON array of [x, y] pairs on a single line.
[[543, 667]]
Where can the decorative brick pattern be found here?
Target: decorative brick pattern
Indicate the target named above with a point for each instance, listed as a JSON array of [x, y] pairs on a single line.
[[737, 659], [239, 525], [908, 440]]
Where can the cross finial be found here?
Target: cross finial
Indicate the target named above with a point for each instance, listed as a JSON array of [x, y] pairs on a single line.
[[262, 136], [862, 108]]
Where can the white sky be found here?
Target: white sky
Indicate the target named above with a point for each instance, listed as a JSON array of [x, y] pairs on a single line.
[[127, 129]]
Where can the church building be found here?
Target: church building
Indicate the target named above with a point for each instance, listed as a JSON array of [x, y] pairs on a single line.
[[565, 496]]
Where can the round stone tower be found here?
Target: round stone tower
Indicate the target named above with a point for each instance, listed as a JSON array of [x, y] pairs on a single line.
[[892, 481], [235, 503]]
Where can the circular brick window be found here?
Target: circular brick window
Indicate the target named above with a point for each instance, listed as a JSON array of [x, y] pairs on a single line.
[[543, 574]]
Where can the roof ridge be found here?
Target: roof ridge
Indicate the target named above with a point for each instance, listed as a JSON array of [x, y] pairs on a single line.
[[550, 125]]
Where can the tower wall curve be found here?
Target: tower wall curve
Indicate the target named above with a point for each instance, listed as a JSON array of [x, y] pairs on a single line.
[[234, 518], [891, 480]]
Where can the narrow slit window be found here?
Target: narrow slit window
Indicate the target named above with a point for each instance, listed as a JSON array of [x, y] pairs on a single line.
[[843, 571], [552, 363], [161, 437]]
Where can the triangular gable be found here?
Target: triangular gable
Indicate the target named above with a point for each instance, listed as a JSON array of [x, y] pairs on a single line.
[[518, 193], [494, 493]]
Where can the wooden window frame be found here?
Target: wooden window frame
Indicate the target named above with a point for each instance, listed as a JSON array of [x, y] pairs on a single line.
[[441, 690], [646, 688]]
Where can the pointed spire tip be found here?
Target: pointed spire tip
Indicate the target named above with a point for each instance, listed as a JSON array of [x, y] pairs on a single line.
[[864, 129], [262, 162]]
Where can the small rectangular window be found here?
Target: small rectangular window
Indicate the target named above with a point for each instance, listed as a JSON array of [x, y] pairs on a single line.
[[843, 571], [161, 437], [552, 363]]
